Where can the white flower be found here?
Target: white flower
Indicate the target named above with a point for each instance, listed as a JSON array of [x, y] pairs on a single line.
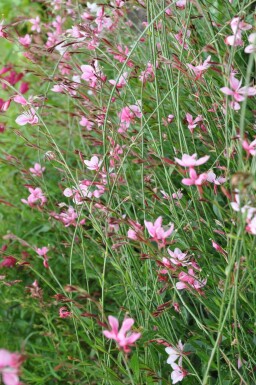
[[93, 164], [174, 354], [178, 374], [93, 7]]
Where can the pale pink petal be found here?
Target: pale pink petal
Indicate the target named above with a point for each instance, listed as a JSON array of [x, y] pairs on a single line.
[[202, 160], [179, 161], [235, 106], [250, 48], [239, 98], [177, 374], [10, 378], [252, 38], [202, 178], [235, 83], [126, 326], [181, 285], [68, 192], [20, 99], [227, 91], [113, 322], [150, 228], [132, 338], [169, 232], [188, 182], [158, 222], [234, 40], [22, 120], [250, 91], [5, 358], [109, 334]]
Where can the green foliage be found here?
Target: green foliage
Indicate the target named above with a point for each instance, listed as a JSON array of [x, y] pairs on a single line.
[[95, 270]]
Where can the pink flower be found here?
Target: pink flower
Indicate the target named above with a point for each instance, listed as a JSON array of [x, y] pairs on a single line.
[[9, 367], [35, 196], [212, 178], [57, 24], [122, 54], [37, 170], [118, 3], [175, 353], [189, 280], [251, 227], [237, 92], [178, 373], [35, 24], [58, 88], [251, 47], [194, 179], [148, 74], [84, 190], [64, 313], [123, 340], [121, 81], [170, 118], [93, 164], [247, 209], [177, 195], [29, 117], [181, 38], [167, 264], [25, 40], [102, 21], [181, 4], [234, 40], [128, 115], [84, 122], [68, 218], [20, 100], [132, 234], [177, 257], [201, 68], [88, 72], [43, 253], [93, 7], [193, 123], [191, 161], [136, 233], [157, 232], [237, 26], [250, 148], [78, 194], [89, 75], [217, 181]]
